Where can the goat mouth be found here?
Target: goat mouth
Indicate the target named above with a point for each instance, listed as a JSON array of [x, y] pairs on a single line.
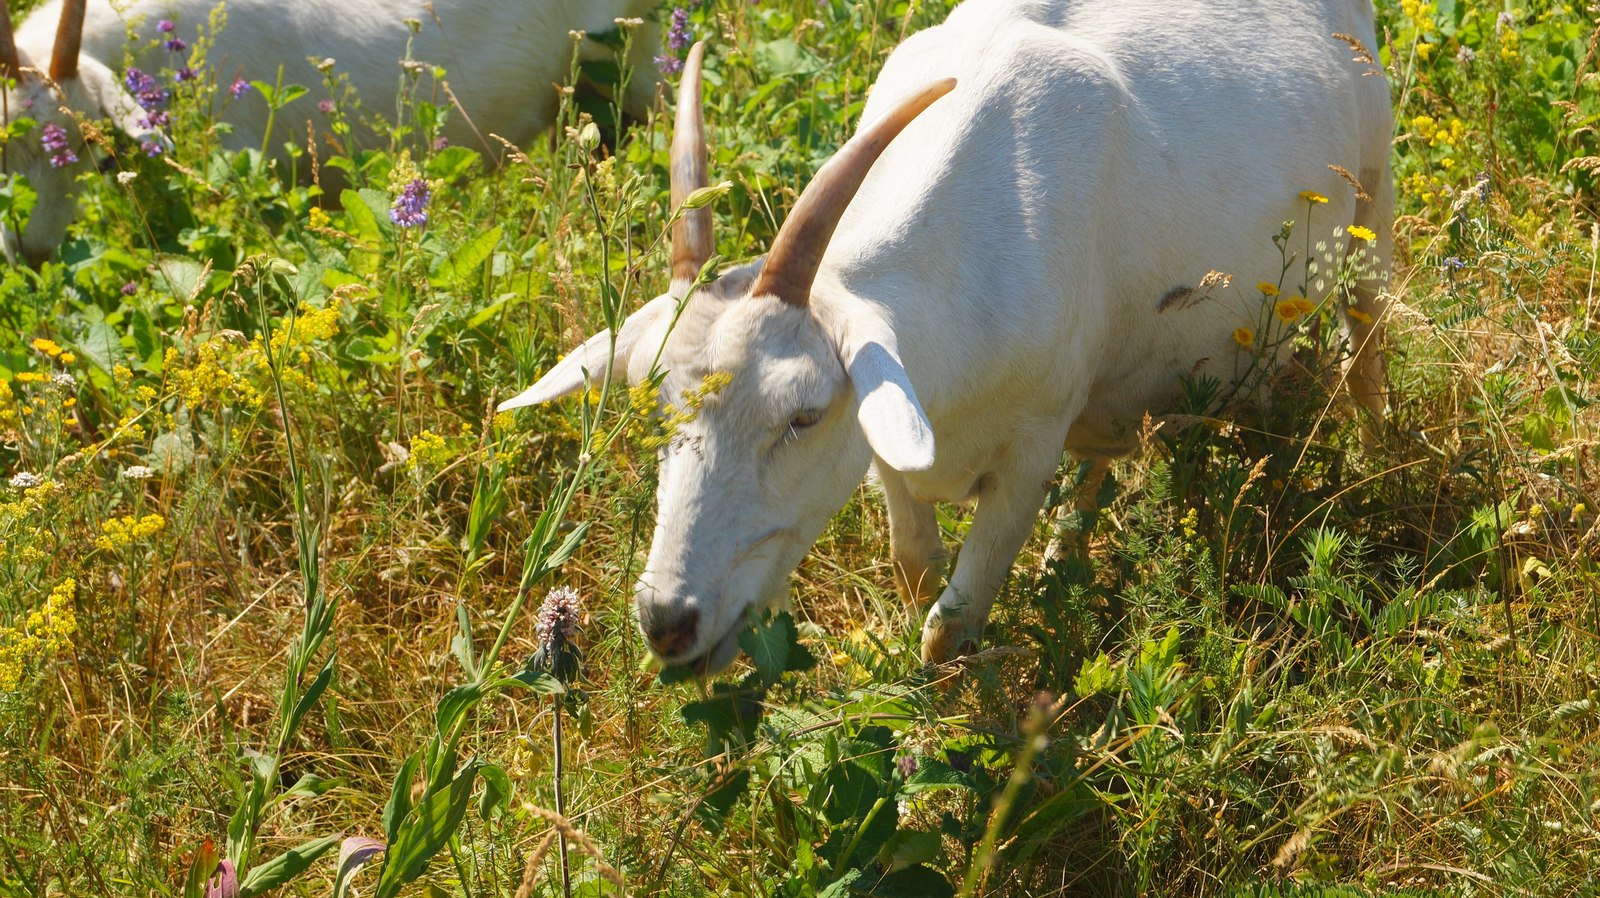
[[715, 659]]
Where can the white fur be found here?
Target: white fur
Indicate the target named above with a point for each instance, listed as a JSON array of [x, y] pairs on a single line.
[[502, 58], [993, 291]]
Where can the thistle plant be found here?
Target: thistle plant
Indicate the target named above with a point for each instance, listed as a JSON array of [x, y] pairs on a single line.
[[558, 656]]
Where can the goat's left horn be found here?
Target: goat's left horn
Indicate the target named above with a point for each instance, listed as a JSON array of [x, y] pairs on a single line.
[[796, 253], [10, 63], [692, 243], [69, 41]]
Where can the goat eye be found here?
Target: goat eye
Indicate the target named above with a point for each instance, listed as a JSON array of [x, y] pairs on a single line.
[[805, 419]]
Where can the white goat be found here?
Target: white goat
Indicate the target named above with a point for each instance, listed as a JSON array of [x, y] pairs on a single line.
[[996, 288], [502, 58]]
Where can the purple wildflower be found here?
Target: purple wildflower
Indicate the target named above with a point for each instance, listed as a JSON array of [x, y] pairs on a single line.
[[55, 142], [166, 26], [149, 93], [176, 45], [238, 87], [557, 623], [325, 107], [130, 288], [185, 74], [440, 143], [679, 37], [410, 209], [907, 765], [151, 148]]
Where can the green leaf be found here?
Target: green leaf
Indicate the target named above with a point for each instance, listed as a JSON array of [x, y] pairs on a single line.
[[783, 58], [399, 805], [310, 786], [451, 163], [284, 867], [313, 692], [536, 680], [359, 215], [100, 343], [912, 882], [932, 774], [907, 848], [464, 262], [201, 869], [454, 706], [769, 645], [425, 832], [497, 790], [185, 277]]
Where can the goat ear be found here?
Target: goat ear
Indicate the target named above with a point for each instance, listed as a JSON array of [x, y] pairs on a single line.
[[589, 362], [887, 408]]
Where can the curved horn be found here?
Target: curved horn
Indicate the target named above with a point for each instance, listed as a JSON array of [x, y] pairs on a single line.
[[10, 63], [796, 253], [692, 243], [69, 40]]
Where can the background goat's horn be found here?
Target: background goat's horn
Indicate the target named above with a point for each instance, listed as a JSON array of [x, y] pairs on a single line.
[[692, 243], [69, 40], [10, 64], [796, 254]]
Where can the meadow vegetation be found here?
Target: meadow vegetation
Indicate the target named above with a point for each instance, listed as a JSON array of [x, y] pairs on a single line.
[[270, 566]]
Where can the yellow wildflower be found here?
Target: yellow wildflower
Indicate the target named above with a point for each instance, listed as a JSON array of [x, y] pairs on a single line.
[[1311, 196], [1267, 288], [118, 532], [48, 347], [429, 449], [44, 631], [26, 377], [1245, 337], [1361, 233], [1358, 316], [1292, 308], [68, 358]]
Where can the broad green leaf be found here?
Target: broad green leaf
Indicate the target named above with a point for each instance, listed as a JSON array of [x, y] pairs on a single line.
[[426, 831], [451, 163], [454, 706], [361, 218], [497, 790], [268, 876], [464, 262], [309, 698], [783, 58], [399, 804]]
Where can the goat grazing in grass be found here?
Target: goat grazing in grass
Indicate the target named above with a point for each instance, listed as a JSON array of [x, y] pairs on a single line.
[[955, 304], [502, 58]]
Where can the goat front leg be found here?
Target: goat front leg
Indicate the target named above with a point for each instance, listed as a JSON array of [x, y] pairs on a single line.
[[914, 541], [1007, 509]]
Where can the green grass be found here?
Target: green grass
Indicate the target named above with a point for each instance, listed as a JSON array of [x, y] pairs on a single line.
[[1285, 663]]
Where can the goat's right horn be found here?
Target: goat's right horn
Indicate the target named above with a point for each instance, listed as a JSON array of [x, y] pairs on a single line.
[[69, 41], [10, 63], [692, 243], [796, 252]]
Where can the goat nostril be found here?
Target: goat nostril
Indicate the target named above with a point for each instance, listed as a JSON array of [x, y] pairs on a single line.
[[670, 636]]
